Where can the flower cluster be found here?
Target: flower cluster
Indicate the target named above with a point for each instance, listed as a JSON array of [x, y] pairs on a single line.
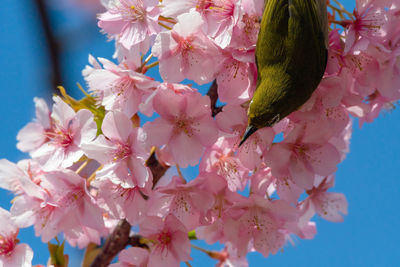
[[88, 165]]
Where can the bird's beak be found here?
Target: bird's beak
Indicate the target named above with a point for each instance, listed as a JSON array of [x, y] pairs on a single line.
[[249, 131]]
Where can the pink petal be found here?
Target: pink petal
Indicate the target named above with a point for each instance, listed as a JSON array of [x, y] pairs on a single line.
[[324, 159], [206, 131], [42, 112], [140, 172], [31, 137], [185, 150], [100, 149], [158, 131], [300, 174], [277, 157], [331, 206], [62, 112], [111, 23], [117, 126]]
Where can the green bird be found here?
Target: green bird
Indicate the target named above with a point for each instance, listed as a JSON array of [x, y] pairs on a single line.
[[291, 57]]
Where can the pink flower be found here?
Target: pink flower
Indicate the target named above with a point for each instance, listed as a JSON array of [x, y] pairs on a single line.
[[84, 237], [132, 256], [60, 203], [33, 135], [264, 223], [68, 131], [12, 254], [186, 52], [119, 88], [237, 77], [220, 158], [367, 26], [14, 176], [185, 125], [132, 20], [122, 151], [262, 182], [229, 258], [132, 58], [147, 107], [170, 244], [120, 202], [245, 32], [328, 205], [223, 208], [221, 16], [233, 120], [301, 155], [174, 8], [187, 202]]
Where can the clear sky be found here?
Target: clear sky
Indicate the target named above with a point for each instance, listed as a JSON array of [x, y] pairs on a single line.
[[369, 176]]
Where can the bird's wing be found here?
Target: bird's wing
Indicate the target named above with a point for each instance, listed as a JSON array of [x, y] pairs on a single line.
[[323, 18], [271, 40], [313, 14]]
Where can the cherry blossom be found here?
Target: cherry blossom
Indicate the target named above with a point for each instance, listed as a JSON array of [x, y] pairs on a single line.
[[14, 176], [122, 152], [68, 131], [122, 203], [236, 79], [187, 202], [221, 16], [33, 135], [117, 87], [220, 159], [185, 122], [186, 52], [170, 242], [12, 253], [132, 257], [369, 19], [263, 222], [121, 155], [233, 120], [330, 206], [61, 203], [301, 158], [133, 20]]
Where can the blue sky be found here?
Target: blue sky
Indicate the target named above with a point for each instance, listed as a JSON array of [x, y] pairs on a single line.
[[369, 176]]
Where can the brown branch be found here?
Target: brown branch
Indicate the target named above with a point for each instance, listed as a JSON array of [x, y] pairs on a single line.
[[157, 169], [116, 242], [52, 44], [119, 238], [213, 94]]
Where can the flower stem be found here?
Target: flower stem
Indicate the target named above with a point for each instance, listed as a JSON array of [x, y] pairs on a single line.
[[83, 166], [180, 173]]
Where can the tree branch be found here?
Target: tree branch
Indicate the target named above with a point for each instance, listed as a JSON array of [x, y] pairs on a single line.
[[116, 242], [119, 238], [213, 94], [52, 44], [157, 169]]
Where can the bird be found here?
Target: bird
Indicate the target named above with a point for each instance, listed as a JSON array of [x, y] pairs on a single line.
[[291, 56]]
